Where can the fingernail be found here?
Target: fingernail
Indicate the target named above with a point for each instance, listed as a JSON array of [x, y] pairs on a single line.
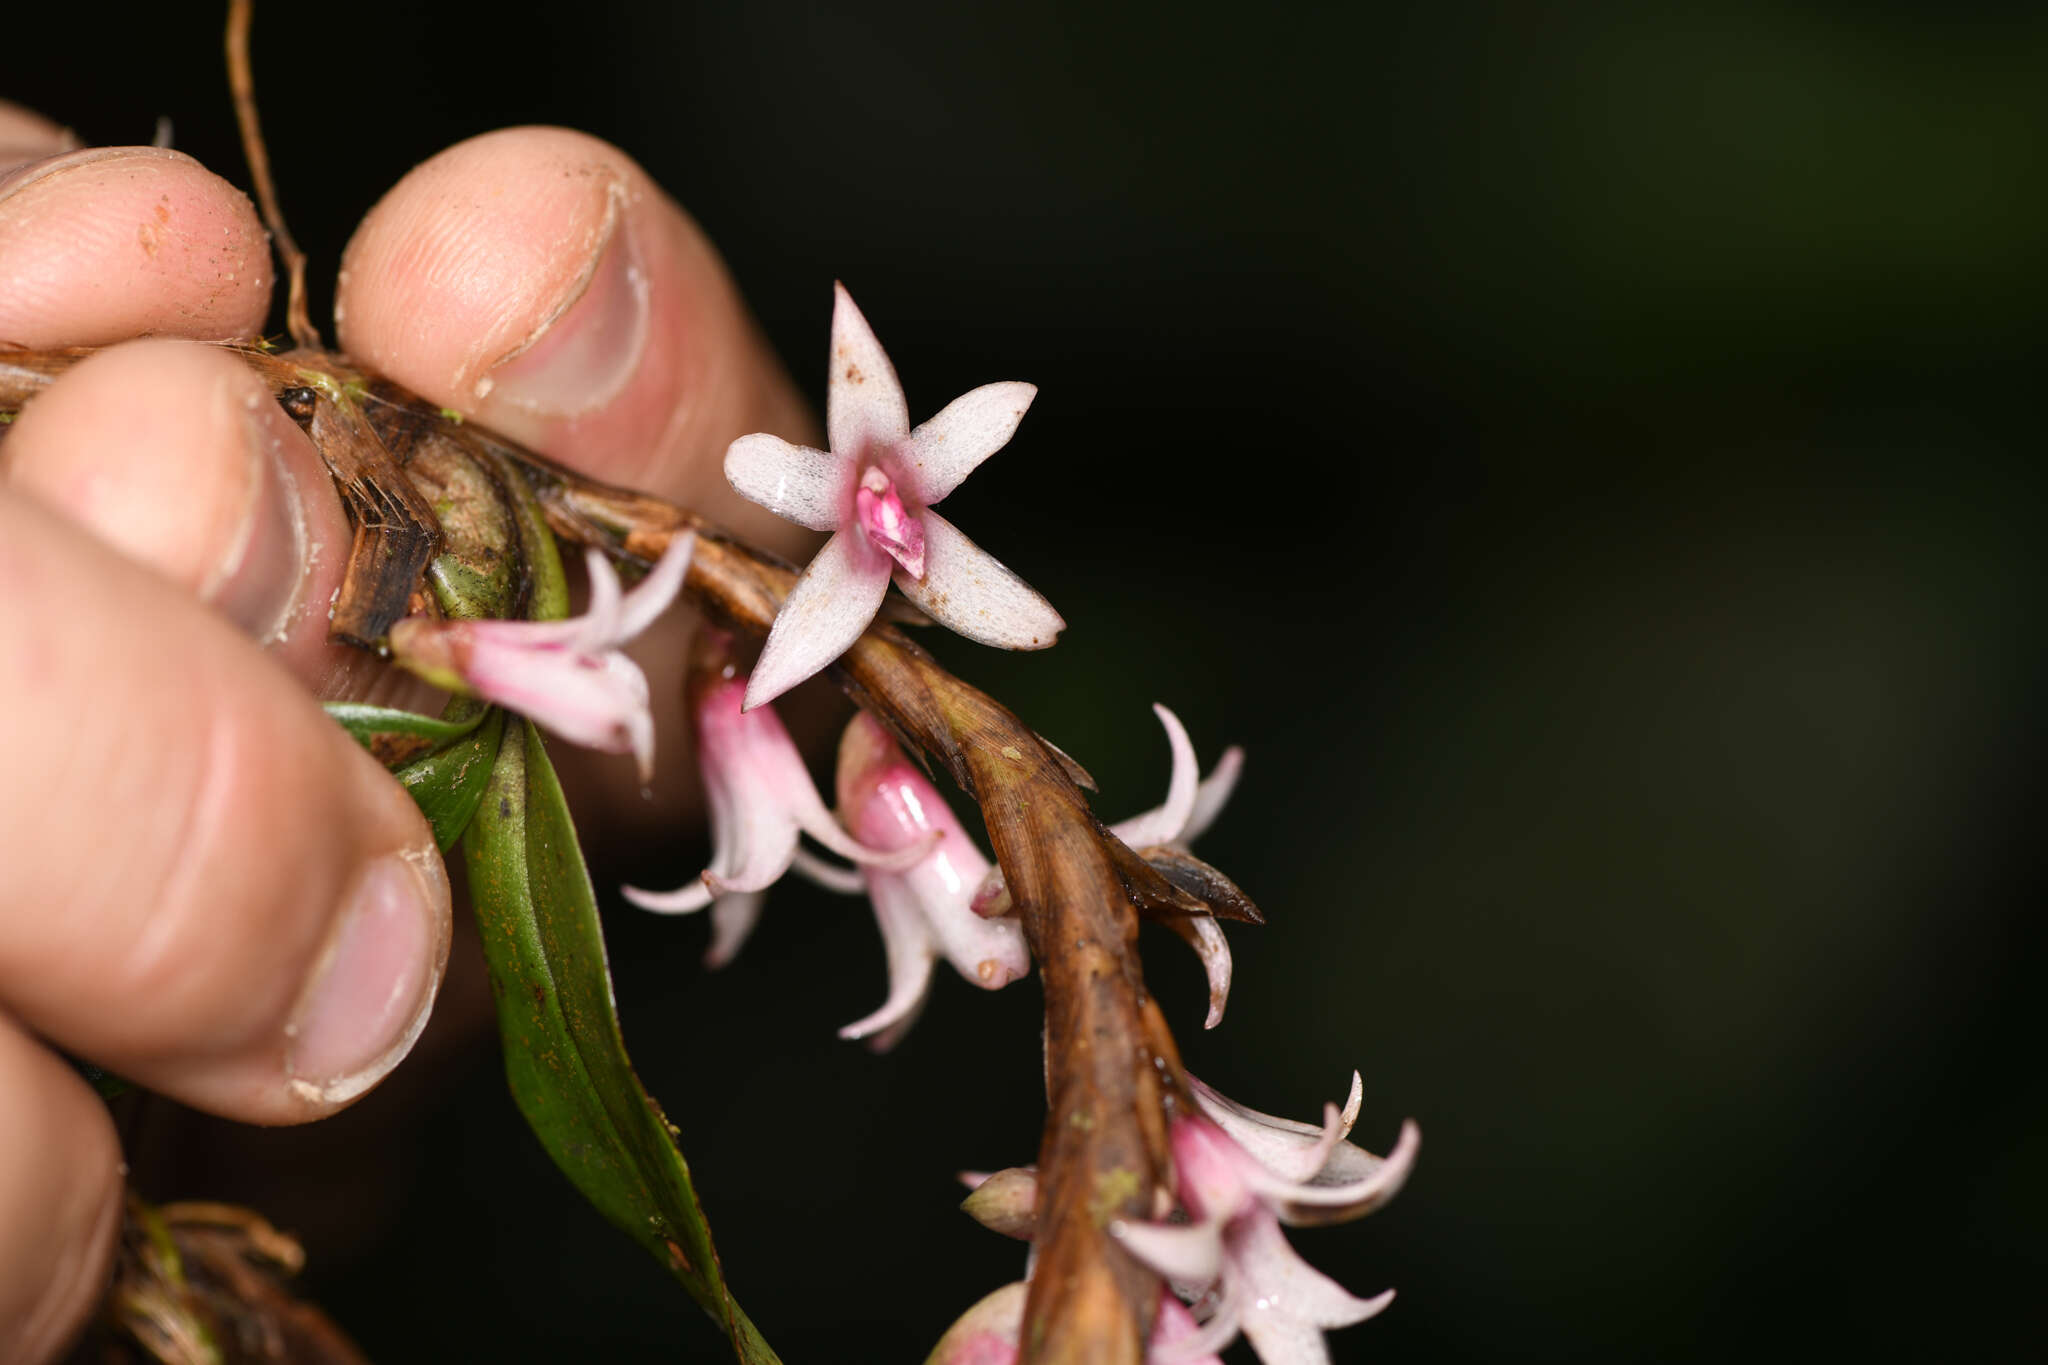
[[375, 983], [582, 356], [257, 581], [49, 167]]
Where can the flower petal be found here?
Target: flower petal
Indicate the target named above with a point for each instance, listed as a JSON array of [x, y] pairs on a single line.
[[968, 591], [945, 450], [1317, 1203], [985, 1334], [824, 614], [909, 949], [600, 621], [655, 593], [686, 899], [1180, 1251], [844, 880], [863, 399], [809, 487], [1205, 936], [809, 811], [1164, 823], [1282, 1286], [1272, 1140], [1213, 793], [733, 917], [1176, 1340]]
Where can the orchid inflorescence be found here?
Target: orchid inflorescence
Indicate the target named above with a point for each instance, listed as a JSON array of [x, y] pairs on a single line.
[[1238, 1175]]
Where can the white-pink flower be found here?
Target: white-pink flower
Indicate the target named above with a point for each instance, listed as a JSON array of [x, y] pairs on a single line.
[[1191, 806], [922, 909], [568, 676], [874, 491], [761, 797], [987, 1334], [1240, 1175]]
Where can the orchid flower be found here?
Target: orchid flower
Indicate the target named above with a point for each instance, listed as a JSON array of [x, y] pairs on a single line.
[[987, 1333], [1240, 1175], [1191, 806], [568, 676], [922, 909], [761, 797], [874, 490]]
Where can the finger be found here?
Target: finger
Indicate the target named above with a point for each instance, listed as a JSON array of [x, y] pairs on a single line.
[[111, 242], [175, 454], [210, 888], [536, 279], [60, 1199], [27, 136]]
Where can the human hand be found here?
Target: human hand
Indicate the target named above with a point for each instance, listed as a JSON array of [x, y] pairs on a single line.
[[210, 889]]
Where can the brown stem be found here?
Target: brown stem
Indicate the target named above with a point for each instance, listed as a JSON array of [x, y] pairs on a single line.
[[242, 82]]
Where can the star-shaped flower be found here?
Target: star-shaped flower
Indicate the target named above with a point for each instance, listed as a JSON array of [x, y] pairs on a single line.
[[568, 676], [760, 796], [874, 491]]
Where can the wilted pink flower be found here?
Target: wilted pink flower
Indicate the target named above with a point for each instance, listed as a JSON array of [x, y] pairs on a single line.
[[1191, 806], [987, 1333], [567, 676], [922, 909], [761, 797], [874, 490], [1240, 1175]]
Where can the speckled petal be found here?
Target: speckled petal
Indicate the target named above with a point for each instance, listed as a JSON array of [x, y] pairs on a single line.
[[944, 451], [968, 591], [812, 488], [863, 399], [824, 614]]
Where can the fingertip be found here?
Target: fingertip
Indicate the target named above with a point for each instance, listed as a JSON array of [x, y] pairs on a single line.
[[176, 454], [108, 243], [27, 136], [60, 1199], [536, 279]]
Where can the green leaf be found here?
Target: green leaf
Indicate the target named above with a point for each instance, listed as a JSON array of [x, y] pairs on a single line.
[[366, 722], [448, 784], [564, 1056]]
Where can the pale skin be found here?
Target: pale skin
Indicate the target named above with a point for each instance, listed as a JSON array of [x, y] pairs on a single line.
[[209, 889]]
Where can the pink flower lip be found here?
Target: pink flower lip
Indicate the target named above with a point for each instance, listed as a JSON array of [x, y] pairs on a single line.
[[887, 522]]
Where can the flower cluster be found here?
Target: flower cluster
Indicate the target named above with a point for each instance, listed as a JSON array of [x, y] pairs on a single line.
[[761, 798], [1240, 1174], [916, 864]]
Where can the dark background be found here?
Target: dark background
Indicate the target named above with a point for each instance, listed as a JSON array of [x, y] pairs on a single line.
[[1586, 454]]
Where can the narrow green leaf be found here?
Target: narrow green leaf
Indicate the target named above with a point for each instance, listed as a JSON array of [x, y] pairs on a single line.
[[448, 784], [564, 1056], [366, 722]]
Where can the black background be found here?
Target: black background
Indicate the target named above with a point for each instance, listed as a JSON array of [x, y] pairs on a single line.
[[1586, 454]]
